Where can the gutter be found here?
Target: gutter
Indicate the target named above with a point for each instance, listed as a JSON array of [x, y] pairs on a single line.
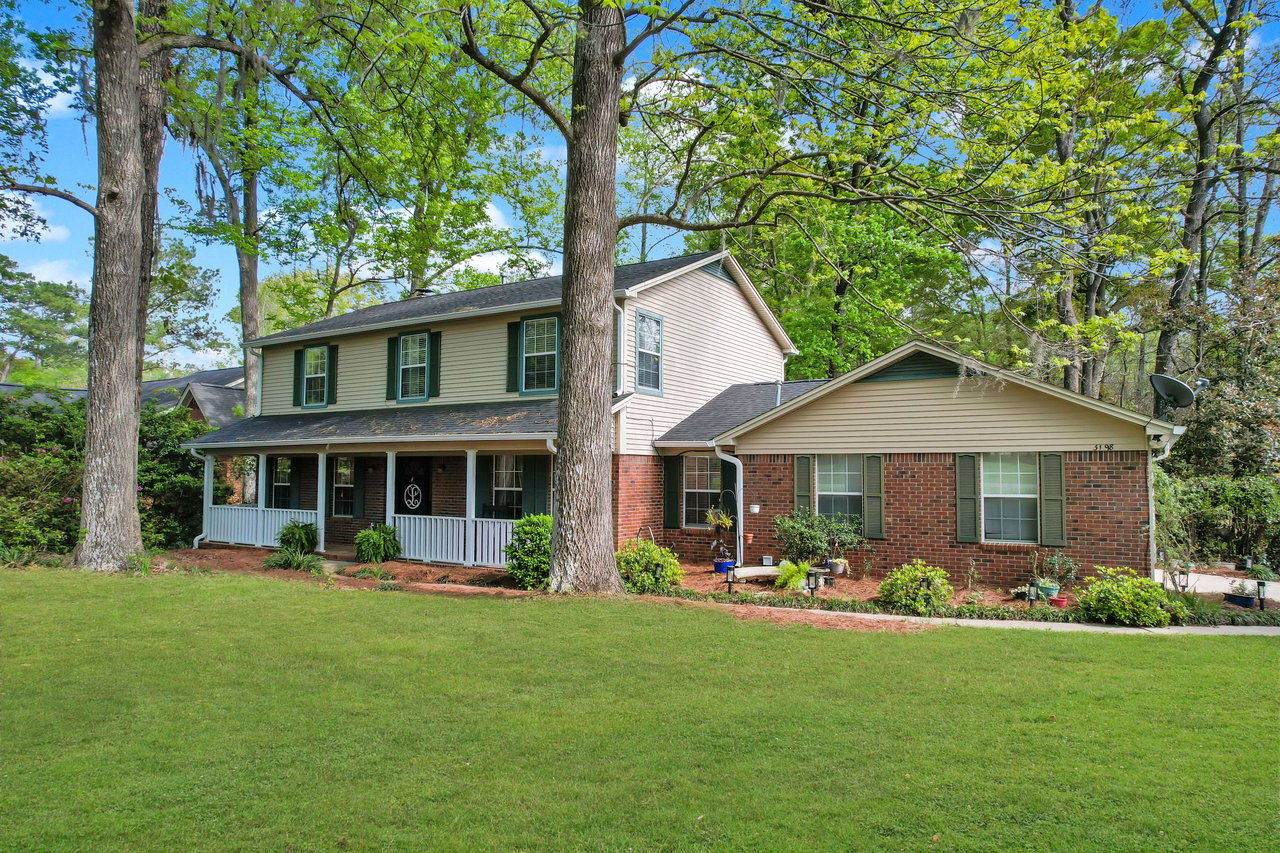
[[357, 439], [737, 497], [204, 515]]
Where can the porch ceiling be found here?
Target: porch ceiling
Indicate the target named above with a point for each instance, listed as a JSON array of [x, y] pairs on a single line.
[[505, 420]]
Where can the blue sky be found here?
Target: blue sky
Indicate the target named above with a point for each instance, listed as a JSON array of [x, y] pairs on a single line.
[[64, 253]]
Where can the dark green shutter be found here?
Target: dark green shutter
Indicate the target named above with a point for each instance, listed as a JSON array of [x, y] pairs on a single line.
[[331, 369], [513, 356], [297, 376], [326, 482], [433, 365], [671, 470], [357, 491], [729, 488], [967, 497], [269, 499], [873, 496], [1053, 500], [393, 367], [295, 484], [536, 482], [804, 483], [484, 486]]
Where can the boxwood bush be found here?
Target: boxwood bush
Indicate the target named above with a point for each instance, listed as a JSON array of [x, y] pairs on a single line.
[[916, 588], [1120, 597], [648, 568], [529, 554]]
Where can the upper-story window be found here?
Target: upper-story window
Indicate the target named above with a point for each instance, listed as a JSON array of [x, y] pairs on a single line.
[[1010, 497], [315, 376], [648, 352], [540, 354], [413, 366]]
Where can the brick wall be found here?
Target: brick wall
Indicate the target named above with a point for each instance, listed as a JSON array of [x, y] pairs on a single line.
[[1106, 515], [449, 486], [637, 496], [343, 530]]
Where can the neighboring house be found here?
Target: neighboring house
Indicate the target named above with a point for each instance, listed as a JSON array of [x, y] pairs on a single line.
[[437, 414], [222, 398]]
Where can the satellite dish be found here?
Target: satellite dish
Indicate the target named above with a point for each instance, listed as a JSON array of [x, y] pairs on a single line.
[[1173, 393]]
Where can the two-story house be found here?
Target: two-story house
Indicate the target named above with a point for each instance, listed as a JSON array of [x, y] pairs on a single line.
[[437, 415]]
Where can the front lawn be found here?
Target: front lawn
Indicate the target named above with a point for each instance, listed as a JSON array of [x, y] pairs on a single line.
[[239, 712]]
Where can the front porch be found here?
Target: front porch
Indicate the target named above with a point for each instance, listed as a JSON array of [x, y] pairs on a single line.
[[456, 507]]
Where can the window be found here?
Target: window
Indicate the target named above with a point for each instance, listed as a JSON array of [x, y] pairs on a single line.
[[282, 483], [701, 488], [508, 486], [1010, 493], [413, 366], [541, 342], [648, 352], [315, 376], [840, 484], [344, 485]]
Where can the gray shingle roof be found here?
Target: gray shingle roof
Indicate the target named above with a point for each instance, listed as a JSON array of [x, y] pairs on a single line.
[[480, 298], [736, 405], [499, 419], [167, 392], [217, 402]]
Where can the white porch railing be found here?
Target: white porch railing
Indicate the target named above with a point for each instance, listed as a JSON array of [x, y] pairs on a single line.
[[432, 538], [443, 539], [274, 519], [236, 525], [251, 525], [492, 536]]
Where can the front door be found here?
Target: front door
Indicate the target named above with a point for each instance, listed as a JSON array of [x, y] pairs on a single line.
[[413, 485]]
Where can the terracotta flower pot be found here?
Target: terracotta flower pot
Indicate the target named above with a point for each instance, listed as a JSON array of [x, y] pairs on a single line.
[[1060, 601]]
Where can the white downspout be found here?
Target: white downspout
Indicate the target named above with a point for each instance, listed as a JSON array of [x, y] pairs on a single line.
[[619, 337], [207, 498], [737, 498]]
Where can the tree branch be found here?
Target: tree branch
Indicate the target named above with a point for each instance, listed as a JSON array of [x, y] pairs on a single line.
[[38, 189]]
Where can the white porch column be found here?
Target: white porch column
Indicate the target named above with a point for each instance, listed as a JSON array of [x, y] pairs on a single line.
[[322, 496], [469, 554], [262, 499], [391, 488], [208, 500]]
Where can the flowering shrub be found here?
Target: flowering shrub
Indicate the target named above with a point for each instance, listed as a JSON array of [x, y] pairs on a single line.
[[648, 568], [39, 500], [1120, 597], [917, 588]]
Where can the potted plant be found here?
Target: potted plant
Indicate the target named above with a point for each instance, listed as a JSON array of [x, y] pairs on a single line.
[[1057, 571], [1046, 585], [1240, 596], [721, 524]]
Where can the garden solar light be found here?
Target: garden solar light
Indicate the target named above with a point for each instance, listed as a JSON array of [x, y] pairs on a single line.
[[729, 578], [1032, 592], [811, 582], [1262, 595], [1184, 578]]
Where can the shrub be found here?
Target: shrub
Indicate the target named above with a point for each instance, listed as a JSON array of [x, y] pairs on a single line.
[[1119, 597], [529, 554], [1198, 610], [648, 568], [377, 544], [806, 537], [1059, 568], [298, 536], [376, 573], [294, 560], [916, 588], [40, 500], [15, 557], [791, 575]]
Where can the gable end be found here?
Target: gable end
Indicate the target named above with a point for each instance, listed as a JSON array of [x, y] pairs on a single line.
[[918, 365]]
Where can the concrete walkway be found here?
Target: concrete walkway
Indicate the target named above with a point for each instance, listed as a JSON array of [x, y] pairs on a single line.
[[1214, 583], [1218, 630]]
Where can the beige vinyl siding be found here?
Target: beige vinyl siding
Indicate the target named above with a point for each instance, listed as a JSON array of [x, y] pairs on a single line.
[[712, 338], [473, 367], [940, 416]]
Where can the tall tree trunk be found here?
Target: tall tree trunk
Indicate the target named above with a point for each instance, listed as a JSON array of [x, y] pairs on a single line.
[[109, 496], [153, 101], [582, 538], [247, 247]]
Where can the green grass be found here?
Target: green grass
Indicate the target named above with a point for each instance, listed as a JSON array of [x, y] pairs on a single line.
[[239, 713]]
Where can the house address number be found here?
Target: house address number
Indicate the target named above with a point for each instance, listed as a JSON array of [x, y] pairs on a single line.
[[1104, 447]]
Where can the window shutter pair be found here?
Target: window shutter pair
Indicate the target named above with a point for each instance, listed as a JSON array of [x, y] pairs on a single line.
[[331, 375], [433, 366], [672, 469], [1052, 500], [872, 491], [536, 484]]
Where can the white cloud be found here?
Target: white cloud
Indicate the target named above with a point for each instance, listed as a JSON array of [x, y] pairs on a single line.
[[60, 270], [497, 218], [50, 233]]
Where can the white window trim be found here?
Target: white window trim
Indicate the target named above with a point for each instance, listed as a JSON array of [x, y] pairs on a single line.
[[685, 490], [818, 494], [324, 387], [983, 495], [426, 374], [494, 488], [336, 485], [525, 355], [658, 353]]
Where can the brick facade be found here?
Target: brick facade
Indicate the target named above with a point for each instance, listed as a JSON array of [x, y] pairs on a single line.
[[342, 530], [637, 497], [1106, 515]]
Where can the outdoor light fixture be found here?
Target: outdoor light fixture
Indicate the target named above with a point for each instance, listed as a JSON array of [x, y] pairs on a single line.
[[811, 582], [1184, 578], [729, 578], [1032, 593], [1262, 595]]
